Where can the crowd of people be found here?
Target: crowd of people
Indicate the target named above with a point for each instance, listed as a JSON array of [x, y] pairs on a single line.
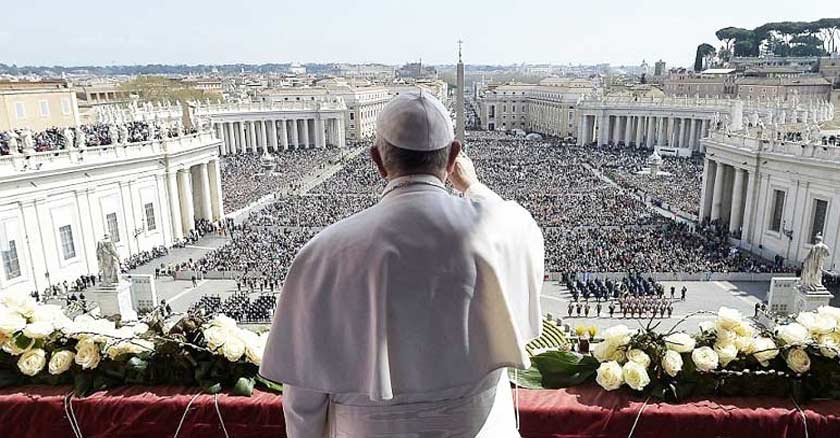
[[97, 134], [245, 182], [238, 306], [634, 296]]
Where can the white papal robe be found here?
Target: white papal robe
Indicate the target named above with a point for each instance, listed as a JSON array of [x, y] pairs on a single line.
[[401, 320]]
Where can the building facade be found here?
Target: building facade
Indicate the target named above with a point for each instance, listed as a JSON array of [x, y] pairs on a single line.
[[37, 105], [774, 196], [55, 206]]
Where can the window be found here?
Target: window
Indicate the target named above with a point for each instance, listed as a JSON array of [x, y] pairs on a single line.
[[11, 264], [68, 247], [20, 110], [818, 221], [113, 226], [45, 108], [65, 106], [778, 210], [351, 116], [150, 216]]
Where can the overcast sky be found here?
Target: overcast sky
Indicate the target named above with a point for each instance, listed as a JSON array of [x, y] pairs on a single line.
[[81, 32]]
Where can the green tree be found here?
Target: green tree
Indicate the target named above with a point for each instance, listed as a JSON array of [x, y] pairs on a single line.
[[161, 89], [703, 50]]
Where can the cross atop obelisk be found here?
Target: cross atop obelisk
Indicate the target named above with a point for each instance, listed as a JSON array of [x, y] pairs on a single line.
[[459, 97]]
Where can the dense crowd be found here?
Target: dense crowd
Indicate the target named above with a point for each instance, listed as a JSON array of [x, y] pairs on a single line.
[[244, 181], [99, 134], [238, 306]]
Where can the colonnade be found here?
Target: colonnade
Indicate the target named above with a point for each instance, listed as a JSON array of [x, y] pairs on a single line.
[[727, 192], [194, 193], [644, 130], [279, 134]]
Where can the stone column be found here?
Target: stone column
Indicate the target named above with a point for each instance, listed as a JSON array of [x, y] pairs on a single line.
[[186, 197], [651, 124], [737, 212], [341, 140], [295, 133], [319, 132], [231, 137], [216, 190], [660, 128], [284, 137], [243, 136], [204, 179], [306, 141], [717, 194], [628, 129], [263, 134], [692, 142], [174, 205], [680, 143], [615, 129], [670, 134], [749, 199], [252, 136], [640, 121]]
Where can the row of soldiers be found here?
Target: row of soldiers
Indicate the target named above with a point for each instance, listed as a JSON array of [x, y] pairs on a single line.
[[633, 309], [603, 290]]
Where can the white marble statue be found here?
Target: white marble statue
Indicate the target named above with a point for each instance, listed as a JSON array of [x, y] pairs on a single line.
[[80, 139], [27, 141], [67, 138], [14, 142], [113, 134], [123, 134], [109, 261], [812, 268]]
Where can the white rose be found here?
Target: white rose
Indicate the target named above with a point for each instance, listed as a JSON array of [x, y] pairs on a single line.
[[726, 336], [233, 349], [53, 314], [87, 354], [831, 312], [706, 326], [215, 337], [139, 328], [32, 362], [705, 359], [829, 345], [680, 342], [793, 333], [19, 302], [618, 335], [816, 323], [603, 351], [764, 350], [224, 322], [129, 346], [61, 361], [672, 363], [743, 329], [12, 348], [728, 318], [38, 330], [254, 346], [610, 376], [726, 351], [638, 356], [10, 321], [798, 361], [744, 344], [635, 376]]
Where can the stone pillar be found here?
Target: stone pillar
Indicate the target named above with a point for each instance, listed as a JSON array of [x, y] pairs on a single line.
[[737, 211], [660, 127], [186, 197], [295, 133], [307, 141], [640, 121], [628, 129], [680, 143], [692, 139], [749, 199], [284, 137], [651, 125], [264, 134], [340, 125], [670, 134], [231, 137], [616, 129], [204, 179], [319, 132], [216, 204], [174, 206], [717, 194], [243, 136], [252, 136], [271, 130]]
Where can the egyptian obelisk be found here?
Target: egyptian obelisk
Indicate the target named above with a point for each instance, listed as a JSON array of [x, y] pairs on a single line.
[[459, 98]]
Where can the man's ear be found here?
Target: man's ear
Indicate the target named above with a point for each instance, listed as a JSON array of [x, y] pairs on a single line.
[[454, 150], [377, 158]]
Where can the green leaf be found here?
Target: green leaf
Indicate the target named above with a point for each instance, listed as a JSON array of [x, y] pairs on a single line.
[[22, 342], [82, 384], [244, 386], [268, 384], [528, 379], [10, 378], [212, 388]]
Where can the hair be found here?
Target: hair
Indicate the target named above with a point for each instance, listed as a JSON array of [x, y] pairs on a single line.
[[404, 161]]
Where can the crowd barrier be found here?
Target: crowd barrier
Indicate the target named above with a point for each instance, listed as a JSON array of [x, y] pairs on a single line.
[[681, 276]]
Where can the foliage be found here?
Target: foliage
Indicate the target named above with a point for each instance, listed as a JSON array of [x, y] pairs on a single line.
[[161, 89], [41, 345], [703, 50], [785, 38], [730, 356]]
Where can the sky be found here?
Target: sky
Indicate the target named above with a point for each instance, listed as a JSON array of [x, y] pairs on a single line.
[[105, 32]]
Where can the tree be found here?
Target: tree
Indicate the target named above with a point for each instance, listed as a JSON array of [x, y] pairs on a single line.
[[744, 48], [161, 89], [703, 50], [731, 36]]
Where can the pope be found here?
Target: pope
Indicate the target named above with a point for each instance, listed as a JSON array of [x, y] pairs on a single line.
[[402, 320]]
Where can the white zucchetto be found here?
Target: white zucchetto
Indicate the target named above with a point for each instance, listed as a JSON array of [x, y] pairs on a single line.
[[415, 121]]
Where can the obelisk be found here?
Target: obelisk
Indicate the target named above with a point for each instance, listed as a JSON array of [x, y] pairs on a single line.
[[459, 98]]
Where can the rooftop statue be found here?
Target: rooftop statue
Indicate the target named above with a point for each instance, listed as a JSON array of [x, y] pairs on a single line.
[[812, 268]]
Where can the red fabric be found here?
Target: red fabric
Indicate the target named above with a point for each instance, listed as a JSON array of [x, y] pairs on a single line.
[[135, 412]]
